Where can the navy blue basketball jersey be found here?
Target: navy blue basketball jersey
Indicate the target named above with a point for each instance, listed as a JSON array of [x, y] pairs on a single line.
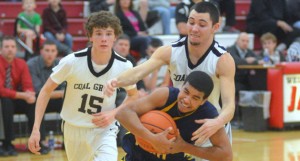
[[185, 122]]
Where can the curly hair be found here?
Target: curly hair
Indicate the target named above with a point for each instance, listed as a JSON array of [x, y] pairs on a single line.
[[103, 19]]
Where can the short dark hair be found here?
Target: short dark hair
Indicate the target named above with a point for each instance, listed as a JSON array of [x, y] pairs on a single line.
[[156, 42], [200, 81], [103, 19], [207, 7], [123, 37], [8, 37], [48, 42]]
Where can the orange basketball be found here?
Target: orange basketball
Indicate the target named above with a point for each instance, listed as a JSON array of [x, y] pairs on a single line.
[[156, 122]]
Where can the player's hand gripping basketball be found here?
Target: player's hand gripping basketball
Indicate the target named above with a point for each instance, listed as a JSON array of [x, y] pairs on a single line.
[[161, 143], [209, 127], [34, 142], [110, 87]]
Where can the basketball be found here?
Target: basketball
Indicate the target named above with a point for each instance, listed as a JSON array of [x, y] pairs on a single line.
[[156, 122]]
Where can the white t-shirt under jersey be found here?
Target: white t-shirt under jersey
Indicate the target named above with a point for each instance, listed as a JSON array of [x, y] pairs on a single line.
[[84, 90], [180, 66]]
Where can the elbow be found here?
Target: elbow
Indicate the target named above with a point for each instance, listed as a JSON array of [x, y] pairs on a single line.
[[227, 155]]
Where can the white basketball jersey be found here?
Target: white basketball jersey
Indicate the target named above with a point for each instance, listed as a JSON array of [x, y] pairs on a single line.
[[84, 89], [180, 66]]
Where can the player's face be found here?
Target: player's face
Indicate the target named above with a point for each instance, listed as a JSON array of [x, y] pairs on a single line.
[[122, 47], [49, 53], [103, 39], [200, 28], [189, 98], [9, 49]]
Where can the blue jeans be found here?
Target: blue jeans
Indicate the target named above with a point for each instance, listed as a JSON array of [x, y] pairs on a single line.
[[61, 45], [165, 16]]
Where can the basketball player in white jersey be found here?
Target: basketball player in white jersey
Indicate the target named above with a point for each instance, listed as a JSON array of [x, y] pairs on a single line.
[[86, 73], [197, 51]]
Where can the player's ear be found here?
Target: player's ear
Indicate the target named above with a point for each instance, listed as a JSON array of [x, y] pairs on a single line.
[[216, 27]]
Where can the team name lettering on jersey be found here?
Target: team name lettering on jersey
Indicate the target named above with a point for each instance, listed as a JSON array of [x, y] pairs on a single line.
[[97, 87], [178, 77]]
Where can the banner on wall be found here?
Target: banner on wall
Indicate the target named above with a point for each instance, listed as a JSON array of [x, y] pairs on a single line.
[[291, 98]]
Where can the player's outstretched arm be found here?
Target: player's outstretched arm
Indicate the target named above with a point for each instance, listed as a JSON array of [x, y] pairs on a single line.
[[220, 151], [159, 58], [226, 72], [129, 118], [41, 104]]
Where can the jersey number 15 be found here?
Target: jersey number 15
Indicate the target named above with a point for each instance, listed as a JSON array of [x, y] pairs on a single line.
[[92, 103]]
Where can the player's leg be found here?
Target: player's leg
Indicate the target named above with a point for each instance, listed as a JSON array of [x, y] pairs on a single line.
[[76, 146], [104, 143]]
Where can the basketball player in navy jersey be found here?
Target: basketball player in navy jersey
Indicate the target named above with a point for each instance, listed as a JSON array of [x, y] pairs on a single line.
[[86, 72], [184, 106], [196, 52]]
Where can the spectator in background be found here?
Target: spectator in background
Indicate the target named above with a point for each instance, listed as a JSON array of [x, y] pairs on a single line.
[[40, 69], [165, 11], [242, 55], [157, 78], [293, 52], [122, 46], [99, 5], [271, 16], [132, 25], [270, 54], [33, 18], [16, 91], [55, 26]]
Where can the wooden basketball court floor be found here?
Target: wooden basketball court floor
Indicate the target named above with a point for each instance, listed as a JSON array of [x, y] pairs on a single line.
[[247, 146]]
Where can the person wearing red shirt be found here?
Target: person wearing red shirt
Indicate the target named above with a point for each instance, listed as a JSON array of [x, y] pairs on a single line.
[[16, 91]]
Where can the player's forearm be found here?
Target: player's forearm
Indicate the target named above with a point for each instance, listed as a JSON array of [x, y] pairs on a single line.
[[40, 108], [227, 113], [130, 120], [214, 153], [129, 77]]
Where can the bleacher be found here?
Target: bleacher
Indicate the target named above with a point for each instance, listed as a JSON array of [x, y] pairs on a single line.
[[76, 11], [75, 14]]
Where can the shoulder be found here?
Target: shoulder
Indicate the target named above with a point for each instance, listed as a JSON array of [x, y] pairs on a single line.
[[33, 61], [81, 53], [163, 53], [20, 61], [209, 110]]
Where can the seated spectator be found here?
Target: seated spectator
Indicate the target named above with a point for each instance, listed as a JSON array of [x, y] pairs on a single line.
[[293, 52], [157, 78], [16, 92], [266, 16], [100, 5], [40, 69], [55, 26], [165, 11], [242, 55], [33, 18], [270, 55], [133, 26], [122, 46]]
